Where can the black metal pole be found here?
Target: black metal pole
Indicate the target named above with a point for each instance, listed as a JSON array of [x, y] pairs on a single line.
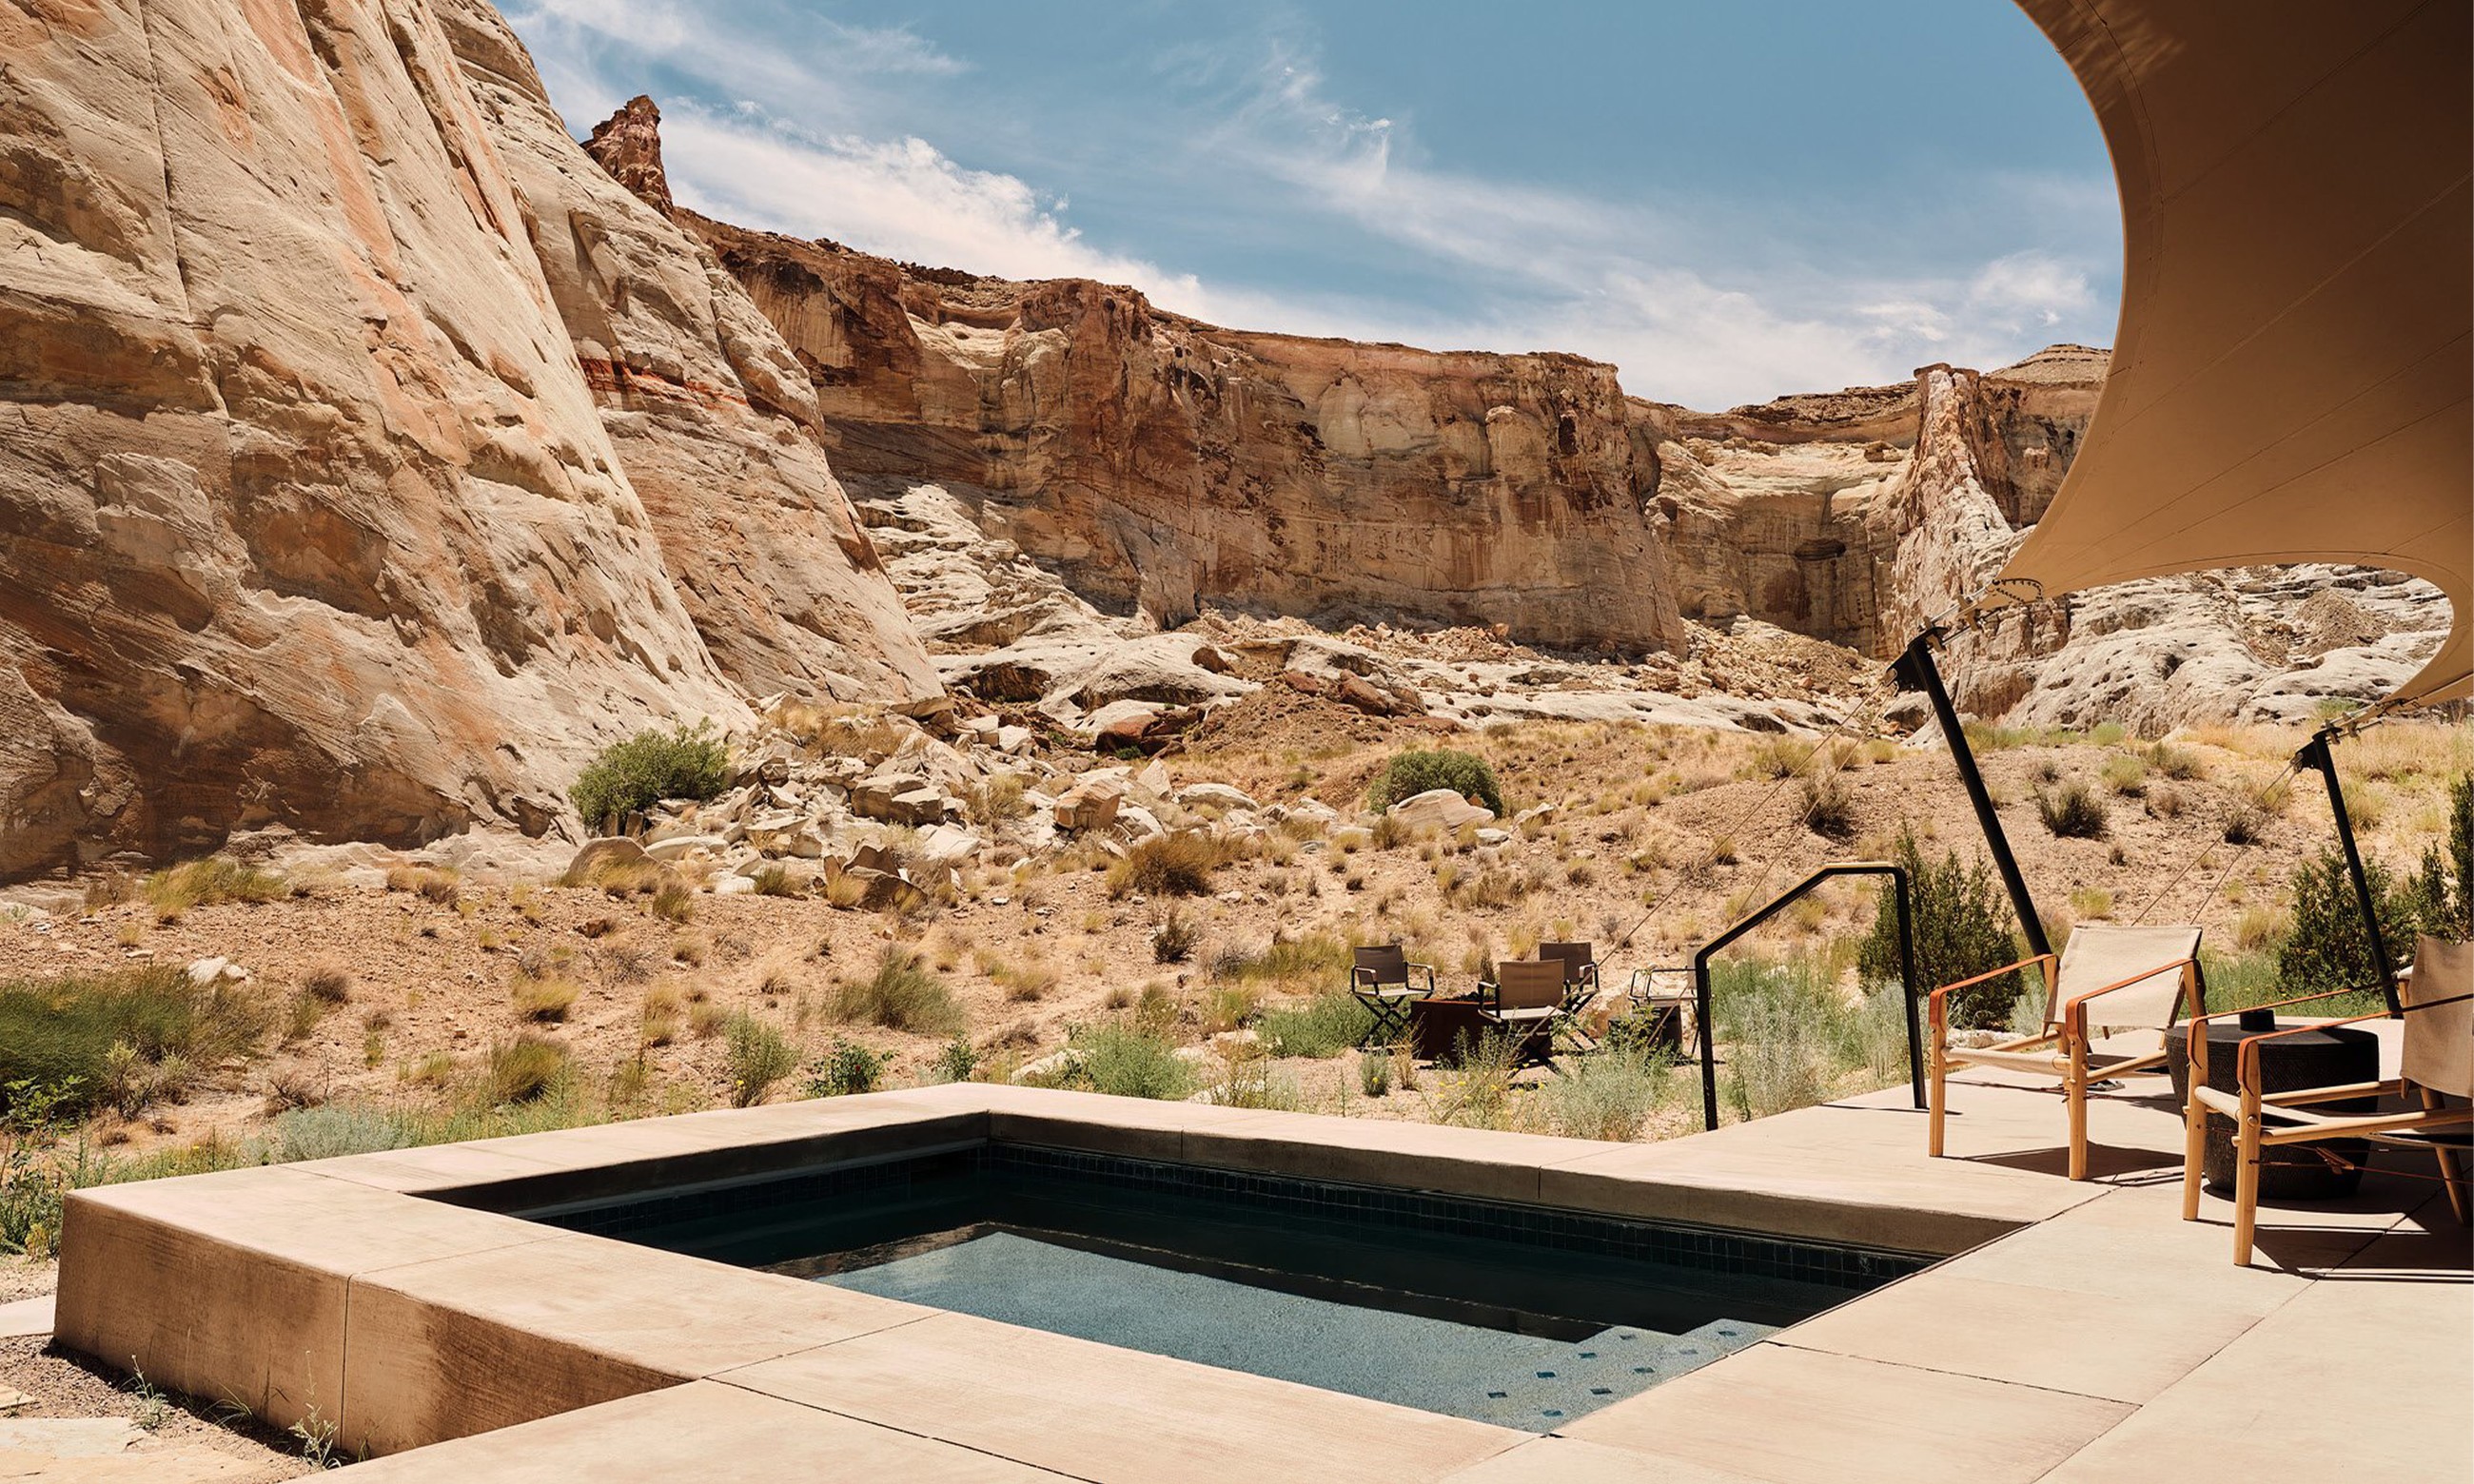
[[2316, 753], [1916, 670], [1907, 988], [1708, 1045]]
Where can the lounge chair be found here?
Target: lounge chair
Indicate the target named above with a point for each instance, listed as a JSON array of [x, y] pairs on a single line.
[[1581, 986], [1663, 1004], [2438, 1064], [1525, 1001], [1379, 978], [2110, 997]]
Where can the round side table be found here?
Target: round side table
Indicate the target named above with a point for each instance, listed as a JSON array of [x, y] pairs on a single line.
[[2322, 1058]]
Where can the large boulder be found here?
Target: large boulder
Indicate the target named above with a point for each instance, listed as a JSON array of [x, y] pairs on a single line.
[[1438, 808]]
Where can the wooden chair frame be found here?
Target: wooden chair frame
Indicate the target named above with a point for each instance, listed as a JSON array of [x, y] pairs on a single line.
[[2251, 1110], [2067, 1034]]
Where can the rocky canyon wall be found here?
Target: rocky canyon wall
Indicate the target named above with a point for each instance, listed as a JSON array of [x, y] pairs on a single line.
[[1162, 465], [309, 512]]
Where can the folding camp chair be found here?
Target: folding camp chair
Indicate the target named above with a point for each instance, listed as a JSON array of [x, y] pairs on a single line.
[[1525, 1001], [1379, 978], [2108, 1002], [2438, 1064], [1580, 961]]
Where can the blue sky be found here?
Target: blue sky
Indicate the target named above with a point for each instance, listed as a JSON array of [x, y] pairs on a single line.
[[1728, 199]]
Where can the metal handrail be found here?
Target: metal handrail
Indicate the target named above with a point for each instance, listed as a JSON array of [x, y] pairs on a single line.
[[1897, 875]]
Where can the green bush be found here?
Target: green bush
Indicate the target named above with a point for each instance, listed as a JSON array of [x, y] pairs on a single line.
[[846, 1068], [337, 1129], [1963, 929], [1412, 773], [757, 1056], [901, 995], [1128, 1062], [2443, 890], [2327, 948], [61, 1034], [633, 776], [957, 1060], [211, 883], [1323, 1027]]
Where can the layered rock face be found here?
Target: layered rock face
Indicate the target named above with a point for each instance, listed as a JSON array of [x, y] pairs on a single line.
[[1162, 465], [309, 511]]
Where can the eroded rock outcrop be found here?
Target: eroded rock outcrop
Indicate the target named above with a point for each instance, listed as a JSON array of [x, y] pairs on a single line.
[[308, 512], [1162, 465]]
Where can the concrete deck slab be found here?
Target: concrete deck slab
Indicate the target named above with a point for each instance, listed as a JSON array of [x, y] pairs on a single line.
[[1561, 1460], [26, 1318], [1792, 1416], [465, 1345], [1112, 1415], [1480, 1162], [704, 1431], [1138, 1128]]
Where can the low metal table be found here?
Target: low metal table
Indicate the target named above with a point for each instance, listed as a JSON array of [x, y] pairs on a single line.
[[2332, 1056]]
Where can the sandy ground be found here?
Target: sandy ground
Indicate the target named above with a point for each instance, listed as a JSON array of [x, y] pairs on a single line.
[[1664, 836]]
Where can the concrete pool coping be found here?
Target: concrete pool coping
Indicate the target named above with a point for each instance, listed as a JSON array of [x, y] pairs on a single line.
[[373, 1292]]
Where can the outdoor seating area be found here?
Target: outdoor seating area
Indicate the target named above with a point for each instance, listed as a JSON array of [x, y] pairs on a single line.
[[1542, 1007]]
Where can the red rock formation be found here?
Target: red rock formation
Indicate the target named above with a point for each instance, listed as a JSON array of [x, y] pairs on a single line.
[[308, 511], [1162, 463]]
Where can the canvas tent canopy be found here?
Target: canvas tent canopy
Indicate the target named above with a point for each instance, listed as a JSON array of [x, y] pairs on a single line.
[[2290, 380]]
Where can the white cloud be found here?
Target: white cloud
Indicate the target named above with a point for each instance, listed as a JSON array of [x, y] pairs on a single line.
[[899, 198]]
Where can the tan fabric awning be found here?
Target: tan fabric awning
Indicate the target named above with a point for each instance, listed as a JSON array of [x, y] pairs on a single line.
[[2293, 378]]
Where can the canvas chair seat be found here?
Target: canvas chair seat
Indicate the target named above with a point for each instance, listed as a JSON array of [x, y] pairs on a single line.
[[2452, 1127], [2110, 997], [2126, 1051]]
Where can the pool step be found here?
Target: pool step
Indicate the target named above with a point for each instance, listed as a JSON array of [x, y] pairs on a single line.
[[1604, 1369]]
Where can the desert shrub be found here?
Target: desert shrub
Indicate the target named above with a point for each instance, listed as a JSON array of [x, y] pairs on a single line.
[[1963, 929], [1171, 865], [1418, 771], [633, 776], [955, 1060], [771, 879], [1606, 1094], [543, 1000], [1323, 1027], [1828, 806], [1788, 1031], [901, 995], [1127, 1060], [2072, 811], [58, 1034], [757, 1057], [1173, 940], [1475, 1086], [440, 884], [338, 1129], [2125, 775], [209, 883], [1315, 959], [845, 1070], [522, 1071], [2327, 947], [1374, 1073], [2442, 889], [330, 983], [673, 901]]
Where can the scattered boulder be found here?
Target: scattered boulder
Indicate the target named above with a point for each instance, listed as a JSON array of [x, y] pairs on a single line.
[[881, 889], [1217, 795], [596, 855], [217, 971], [681, 846], [1438, 808], [1090, 806], [946, 846]]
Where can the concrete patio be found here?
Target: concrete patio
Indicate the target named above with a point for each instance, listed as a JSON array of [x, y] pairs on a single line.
[[2082, 1331]]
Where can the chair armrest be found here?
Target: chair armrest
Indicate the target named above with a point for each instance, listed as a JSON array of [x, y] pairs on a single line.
[[1934, 1003], [1430, 975], [2073, 1015], [2246, 1059]]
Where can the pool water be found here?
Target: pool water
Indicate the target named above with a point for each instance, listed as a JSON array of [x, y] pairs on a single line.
[[1520, 1315], [1438, 1365]]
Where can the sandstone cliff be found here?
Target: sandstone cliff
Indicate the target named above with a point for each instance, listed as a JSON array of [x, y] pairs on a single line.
[[309, 511], [1162, 465]]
